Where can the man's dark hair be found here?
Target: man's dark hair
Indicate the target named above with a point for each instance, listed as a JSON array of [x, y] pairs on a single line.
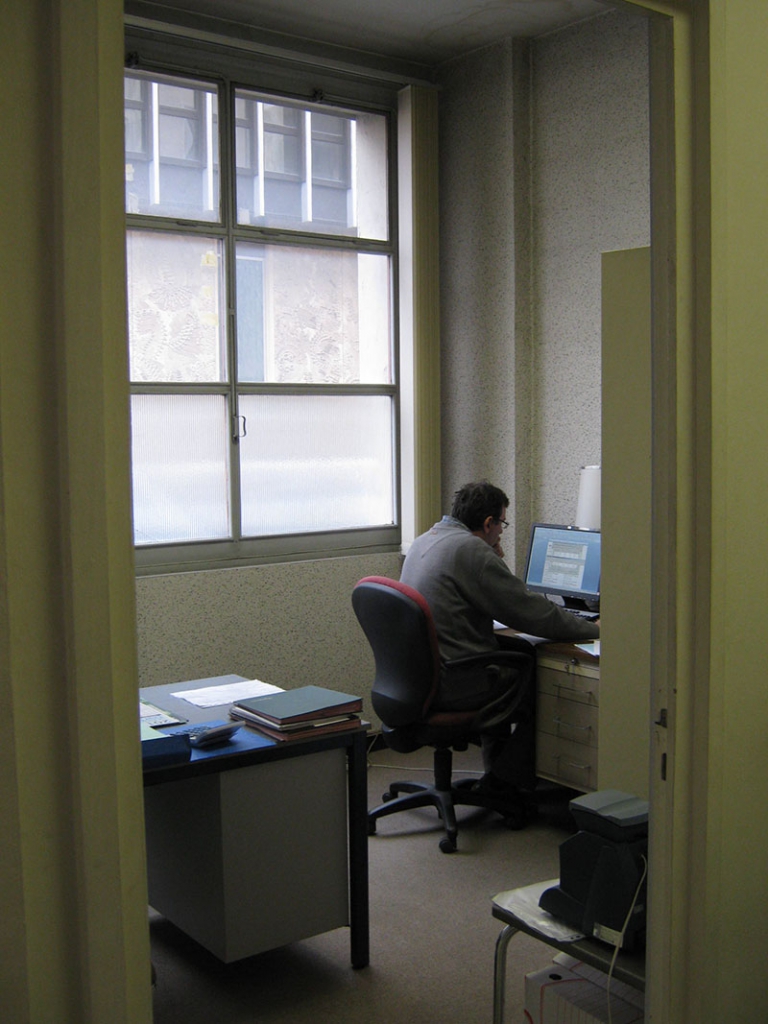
[[473, 503]]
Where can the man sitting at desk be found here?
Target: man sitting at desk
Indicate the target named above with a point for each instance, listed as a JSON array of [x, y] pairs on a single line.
[[458, 566]]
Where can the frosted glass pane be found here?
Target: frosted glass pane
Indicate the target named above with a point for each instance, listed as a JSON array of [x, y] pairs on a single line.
[[313, 316], [176, 329], [316, 463], [180, 468]]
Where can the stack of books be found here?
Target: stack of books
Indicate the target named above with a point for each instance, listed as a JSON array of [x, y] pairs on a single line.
[[301, 713]]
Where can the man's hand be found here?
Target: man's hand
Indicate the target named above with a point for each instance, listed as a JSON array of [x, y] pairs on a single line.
[[498, 549]]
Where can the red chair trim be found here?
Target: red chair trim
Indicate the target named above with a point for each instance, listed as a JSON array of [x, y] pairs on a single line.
[[421, 602]]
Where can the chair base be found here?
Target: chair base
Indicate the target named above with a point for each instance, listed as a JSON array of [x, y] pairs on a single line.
[[445, 795]]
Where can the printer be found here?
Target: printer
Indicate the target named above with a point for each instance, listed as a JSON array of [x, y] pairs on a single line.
[[603, 870]]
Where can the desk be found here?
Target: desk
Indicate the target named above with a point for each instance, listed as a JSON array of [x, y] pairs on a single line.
[[567, 714], [518, 910], [257, 843]]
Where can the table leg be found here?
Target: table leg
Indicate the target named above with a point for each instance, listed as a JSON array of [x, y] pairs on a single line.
[[500, 972], [358, 850]]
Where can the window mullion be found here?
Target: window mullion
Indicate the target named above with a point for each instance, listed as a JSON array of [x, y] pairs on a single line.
[[259, 204], [208, 198], [228, 185], [154, 186], [307, 140]]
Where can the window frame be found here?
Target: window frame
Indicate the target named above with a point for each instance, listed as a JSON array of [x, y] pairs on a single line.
[[141, 105], [239, 551], [195, 116]]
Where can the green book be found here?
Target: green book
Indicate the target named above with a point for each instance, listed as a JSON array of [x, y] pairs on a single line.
[[301, 705]]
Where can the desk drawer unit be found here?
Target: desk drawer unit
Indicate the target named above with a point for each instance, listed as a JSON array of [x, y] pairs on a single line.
[[567, 719], [254, 858]]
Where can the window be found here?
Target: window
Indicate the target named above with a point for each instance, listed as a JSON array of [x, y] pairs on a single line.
[[261, 338]]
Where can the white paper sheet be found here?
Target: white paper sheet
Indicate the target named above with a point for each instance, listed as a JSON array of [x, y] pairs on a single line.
[[150, 715], [226, 693], [590, 647], [529, 637]]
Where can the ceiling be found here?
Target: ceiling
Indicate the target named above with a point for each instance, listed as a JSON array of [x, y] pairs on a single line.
[[424, 31]]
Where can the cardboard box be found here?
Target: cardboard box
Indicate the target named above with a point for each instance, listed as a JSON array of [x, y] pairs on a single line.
[[570, 992]]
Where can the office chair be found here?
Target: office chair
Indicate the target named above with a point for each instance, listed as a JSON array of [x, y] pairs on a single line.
[[398, 623]]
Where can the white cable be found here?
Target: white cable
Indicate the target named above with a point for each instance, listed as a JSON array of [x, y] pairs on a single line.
[[621, 937]]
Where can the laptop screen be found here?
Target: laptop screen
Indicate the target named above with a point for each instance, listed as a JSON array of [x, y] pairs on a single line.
[[564, 561]]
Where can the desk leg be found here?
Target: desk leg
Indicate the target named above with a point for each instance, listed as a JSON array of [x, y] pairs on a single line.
[[358, 851], [500, 972]]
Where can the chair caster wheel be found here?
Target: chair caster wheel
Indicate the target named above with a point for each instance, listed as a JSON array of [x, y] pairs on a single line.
[[371, 826], [386, 797], [448, 845]]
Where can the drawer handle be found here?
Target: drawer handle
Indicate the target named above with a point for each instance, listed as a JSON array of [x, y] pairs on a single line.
[[569, 725], [573, 764]]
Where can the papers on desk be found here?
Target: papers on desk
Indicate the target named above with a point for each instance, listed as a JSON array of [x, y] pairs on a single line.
[[590, 647], [528, 637], [531, 639], [155, 717], [226, 693]]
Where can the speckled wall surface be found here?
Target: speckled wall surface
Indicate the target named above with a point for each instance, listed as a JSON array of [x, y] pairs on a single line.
[[520, 268], [591, 193], [478, 102], [289, 624]]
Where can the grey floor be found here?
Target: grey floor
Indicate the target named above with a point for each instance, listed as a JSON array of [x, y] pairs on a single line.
[[432, 933]]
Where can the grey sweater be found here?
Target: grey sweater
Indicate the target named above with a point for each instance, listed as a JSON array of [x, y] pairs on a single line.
[[468, 586]]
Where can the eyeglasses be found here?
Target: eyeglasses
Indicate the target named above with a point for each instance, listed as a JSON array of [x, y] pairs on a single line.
[[504, 523]]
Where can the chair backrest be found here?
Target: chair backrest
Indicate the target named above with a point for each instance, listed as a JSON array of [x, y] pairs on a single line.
[[398, 624]]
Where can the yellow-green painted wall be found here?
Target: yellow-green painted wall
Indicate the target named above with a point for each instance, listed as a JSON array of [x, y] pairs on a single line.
[[710, 817], [74, 944], [625, 603], [734, 731]]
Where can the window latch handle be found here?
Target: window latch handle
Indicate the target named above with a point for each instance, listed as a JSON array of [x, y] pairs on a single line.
[[240, 428]]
